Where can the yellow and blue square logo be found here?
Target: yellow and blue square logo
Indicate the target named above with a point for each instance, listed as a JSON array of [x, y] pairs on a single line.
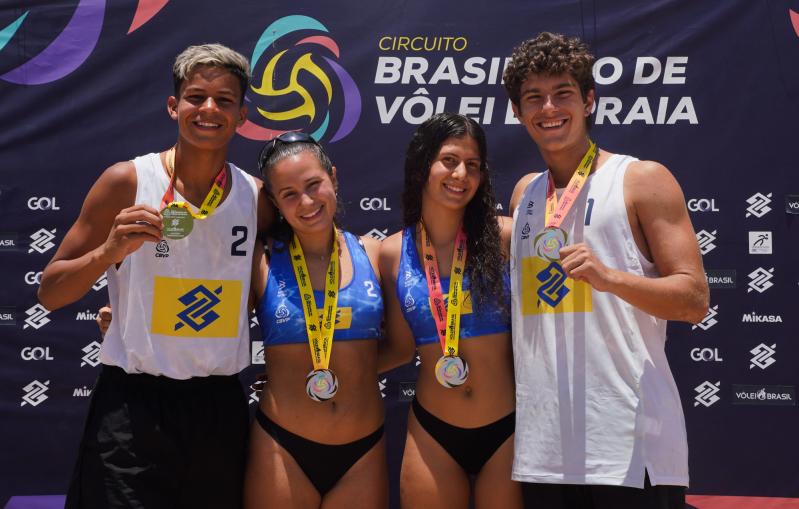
[[196, 308], [546, 289], [343, 318]]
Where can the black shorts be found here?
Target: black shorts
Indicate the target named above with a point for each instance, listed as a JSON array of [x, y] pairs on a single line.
[[592, 496], [156, 442]]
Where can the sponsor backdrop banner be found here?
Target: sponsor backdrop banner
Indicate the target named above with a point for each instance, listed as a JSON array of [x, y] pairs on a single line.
[[709, 90]]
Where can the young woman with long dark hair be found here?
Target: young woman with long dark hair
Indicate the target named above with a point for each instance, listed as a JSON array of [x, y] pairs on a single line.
[[460, 428]]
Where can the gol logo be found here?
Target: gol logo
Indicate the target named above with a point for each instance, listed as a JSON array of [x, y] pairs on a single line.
[[296, 83]]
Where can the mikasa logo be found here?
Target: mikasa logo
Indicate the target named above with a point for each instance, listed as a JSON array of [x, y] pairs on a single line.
[[755, 318], [86, 315]]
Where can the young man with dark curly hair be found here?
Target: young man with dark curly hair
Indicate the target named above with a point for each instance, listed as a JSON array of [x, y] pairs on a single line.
[[603, 253]]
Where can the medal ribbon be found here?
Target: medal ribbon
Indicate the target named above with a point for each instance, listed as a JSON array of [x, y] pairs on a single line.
[[556, 210], [211, 200], [448, 320], [320, 331]]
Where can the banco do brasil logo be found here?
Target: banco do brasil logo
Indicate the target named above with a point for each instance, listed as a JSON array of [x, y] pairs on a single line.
[[299, 85], [199, 311]]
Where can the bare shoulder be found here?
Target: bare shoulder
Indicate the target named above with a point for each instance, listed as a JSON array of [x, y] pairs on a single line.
[[115, 189], [390, 250], [651, 183], [120, 176], [518, 190], [371, 245]]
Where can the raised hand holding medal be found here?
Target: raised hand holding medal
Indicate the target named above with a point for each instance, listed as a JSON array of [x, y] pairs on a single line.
[[451, 370], [321, 383], [548, 241], [178, 218]]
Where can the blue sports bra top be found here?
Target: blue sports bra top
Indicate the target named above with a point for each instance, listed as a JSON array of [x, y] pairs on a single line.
[[414, 300], [360, 303]]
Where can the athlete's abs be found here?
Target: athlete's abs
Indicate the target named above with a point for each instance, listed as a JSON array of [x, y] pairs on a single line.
[[355, 411], [488, 393]]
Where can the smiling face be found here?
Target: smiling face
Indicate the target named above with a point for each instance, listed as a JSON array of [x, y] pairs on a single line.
[[304, 192], [208, 109], [454, 174], [553, 111]]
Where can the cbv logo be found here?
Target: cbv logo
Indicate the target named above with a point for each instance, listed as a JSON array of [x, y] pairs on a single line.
[[554, 288], [199, 312]]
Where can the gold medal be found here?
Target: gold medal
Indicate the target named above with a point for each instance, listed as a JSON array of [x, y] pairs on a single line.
[[178, 222]]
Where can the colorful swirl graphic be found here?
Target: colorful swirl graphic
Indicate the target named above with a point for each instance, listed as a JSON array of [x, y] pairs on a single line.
[[73, 45], [321, 384], [451, 371], [548, 243], [306, 109]]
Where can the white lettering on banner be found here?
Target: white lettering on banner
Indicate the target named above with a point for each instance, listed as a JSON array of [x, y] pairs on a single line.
[[608, 108], [674, 66], [392, 70], [455, 71], [755, 318], [706, 354], [374, 204], [615, 73], [33, 278], [81, 392], [42, 203], [702, 205], [86, 315], [36, 353]]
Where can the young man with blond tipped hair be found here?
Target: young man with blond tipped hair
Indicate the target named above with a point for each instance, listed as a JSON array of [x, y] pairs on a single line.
[[174, 231]]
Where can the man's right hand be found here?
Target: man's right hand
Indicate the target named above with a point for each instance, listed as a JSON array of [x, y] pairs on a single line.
[[132, 227], [104, 319]]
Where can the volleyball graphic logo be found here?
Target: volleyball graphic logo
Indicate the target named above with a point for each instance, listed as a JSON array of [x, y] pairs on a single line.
[[298, 84]]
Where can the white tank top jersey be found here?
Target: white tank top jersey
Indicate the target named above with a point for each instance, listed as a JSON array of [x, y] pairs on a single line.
[[180, 306], [596, 402]]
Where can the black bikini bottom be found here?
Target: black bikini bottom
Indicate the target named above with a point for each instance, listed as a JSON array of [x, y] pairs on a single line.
[[323, 464], [470, 447]]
